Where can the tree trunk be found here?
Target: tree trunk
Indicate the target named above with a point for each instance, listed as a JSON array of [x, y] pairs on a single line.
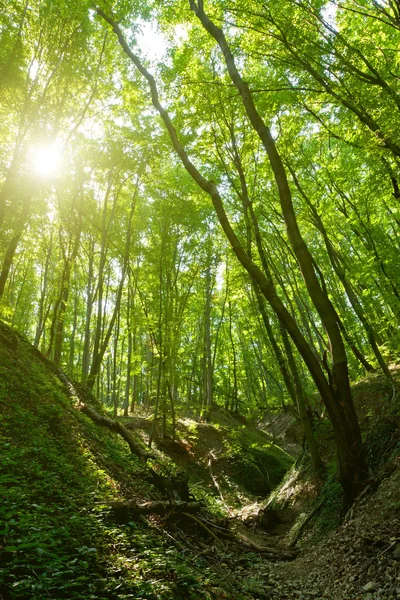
[[235, 400], [88, 315], [12, 245], [341, 409], [71, 360], [207, 340], [115, 375], [302, 407], [338, 267], [353, 466], [100, 345]]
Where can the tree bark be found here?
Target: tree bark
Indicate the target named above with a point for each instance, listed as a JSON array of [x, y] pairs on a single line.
[[347, 414], [302, 407], [207, 333], [100, 346], [88, 315], [339, 268], [13, 243], [59, 314]]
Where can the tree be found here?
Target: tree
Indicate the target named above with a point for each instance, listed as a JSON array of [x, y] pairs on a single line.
[[283, 130], [342, 413]]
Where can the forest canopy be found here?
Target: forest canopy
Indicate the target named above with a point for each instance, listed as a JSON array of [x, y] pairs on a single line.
[[199, 202]]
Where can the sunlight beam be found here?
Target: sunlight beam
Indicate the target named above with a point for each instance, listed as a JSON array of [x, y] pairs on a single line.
[[46, 160]]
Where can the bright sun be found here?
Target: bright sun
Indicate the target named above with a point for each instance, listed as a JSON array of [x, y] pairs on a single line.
[[46, 160]]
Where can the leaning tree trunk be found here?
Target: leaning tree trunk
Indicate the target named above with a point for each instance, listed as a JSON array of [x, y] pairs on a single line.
[[301, 403], [340, 406], [338, 267], [346, 412]]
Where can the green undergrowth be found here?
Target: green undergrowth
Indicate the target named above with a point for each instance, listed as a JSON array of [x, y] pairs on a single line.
[[58, 474], [334, 505], [246, 464], [254, 462]]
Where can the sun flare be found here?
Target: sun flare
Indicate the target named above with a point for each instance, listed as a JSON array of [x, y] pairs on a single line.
[[46, 160]]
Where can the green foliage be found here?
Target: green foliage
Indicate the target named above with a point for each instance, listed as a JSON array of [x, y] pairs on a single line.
[[332, 511], [58, 473], [114, 261], [254, 463]]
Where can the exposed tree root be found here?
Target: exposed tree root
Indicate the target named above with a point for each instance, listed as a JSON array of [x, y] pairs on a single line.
[[275, 552], [304, 523]]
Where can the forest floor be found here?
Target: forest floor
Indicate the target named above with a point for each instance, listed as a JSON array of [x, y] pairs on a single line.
[[60, 475], [342, 555]]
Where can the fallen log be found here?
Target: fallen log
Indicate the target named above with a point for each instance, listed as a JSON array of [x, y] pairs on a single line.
[[135, 446], [157, 507], [112, 425]]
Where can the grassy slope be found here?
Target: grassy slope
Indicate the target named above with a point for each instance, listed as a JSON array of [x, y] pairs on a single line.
[[56, 468], [58, 473]]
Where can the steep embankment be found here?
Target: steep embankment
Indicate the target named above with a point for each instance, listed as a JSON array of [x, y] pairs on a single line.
[[225, 458], [59, 474], [59, 471]]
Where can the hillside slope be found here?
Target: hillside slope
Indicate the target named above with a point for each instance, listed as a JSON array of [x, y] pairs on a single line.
[[60, 474], [58, 471]]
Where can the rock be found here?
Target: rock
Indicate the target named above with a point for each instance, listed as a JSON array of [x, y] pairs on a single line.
[[369, 587]]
